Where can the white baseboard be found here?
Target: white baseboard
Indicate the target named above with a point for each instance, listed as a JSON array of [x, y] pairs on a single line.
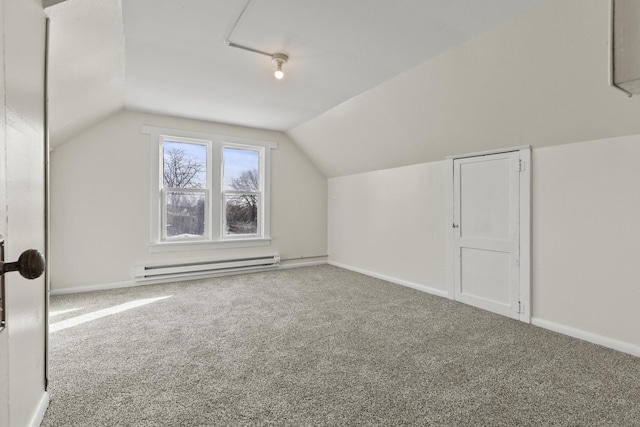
[[296, 264], [417, 286], [41, 409], [107, 286], [624, 347], [91, 288]]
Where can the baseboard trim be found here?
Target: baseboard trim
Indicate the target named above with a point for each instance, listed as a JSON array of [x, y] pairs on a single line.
[[621, 346], [416, 286], [91, 288], [131, 284], [41, 409], [288, 264]]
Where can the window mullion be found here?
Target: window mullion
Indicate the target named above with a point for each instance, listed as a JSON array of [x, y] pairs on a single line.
[[215, 178]]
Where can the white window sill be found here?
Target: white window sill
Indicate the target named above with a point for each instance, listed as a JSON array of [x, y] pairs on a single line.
[[204, 245]]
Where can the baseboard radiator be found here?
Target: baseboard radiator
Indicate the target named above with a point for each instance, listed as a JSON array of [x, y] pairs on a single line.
[[191, 270]]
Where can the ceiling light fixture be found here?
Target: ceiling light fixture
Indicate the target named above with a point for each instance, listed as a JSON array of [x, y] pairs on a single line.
[[279, 58]]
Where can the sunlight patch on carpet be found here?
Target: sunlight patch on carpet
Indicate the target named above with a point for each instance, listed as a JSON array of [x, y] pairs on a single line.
[[59, 312], [78, 320]]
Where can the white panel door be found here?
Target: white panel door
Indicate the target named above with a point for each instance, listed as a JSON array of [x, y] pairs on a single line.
[[23, 398], [486, 232]]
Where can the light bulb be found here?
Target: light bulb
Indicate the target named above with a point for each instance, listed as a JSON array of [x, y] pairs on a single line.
[[279, 74], [279, 59]]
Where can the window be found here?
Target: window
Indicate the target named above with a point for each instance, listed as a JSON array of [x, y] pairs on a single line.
[[242, 190], [208, 191], [185, 189]]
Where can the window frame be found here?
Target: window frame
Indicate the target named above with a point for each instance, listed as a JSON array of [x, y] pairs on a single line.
[[215, 219], [206, 190]]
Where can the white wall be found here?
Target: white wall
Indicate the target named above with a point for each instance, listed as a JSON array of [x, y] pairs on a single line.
[[100, 195], [22, 342], [390, 223], [586, 205], [541, 79]]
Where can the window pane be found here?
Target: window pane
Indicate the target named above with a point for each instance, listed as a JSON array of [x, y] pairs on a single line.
[[185, 165], [185, 214], [242, 214], [241, 169]]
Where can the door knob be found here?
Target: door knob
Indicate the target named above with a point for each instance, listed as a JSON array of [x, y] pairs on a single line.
[[30, 264]]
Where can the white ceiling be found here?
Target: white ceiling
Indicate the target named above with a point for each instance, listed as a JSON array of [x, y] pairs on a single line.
[[177, 62]]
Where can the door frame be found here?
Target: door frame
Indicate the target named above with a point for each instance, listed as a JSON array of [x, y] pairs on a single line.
[[525, 224]]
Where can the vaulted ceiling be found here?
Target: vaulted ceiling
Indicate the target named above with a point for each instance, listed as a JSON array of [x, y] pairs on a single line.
[[171, 57]]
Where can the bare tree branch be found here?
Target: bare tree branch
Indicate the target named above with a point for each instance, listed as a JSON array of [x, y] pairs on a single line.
[[181, 170], [247, 180]]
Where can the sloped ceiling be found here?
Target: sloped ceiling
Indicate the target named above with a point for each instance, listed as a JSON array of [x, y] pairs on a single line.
[[86, 65], [177, 61]]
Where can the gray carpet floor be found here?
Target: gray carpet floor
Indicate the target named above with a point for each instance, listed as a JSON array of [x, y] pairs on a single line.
[[322, 346]]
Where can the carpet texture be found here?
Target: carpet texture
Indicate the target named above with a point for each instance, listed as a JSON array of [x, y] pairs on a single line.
[[322, 346]]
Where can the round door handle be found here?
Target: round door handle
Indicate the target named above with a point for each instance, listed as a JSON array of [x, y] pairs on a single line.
[[30, 264]]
